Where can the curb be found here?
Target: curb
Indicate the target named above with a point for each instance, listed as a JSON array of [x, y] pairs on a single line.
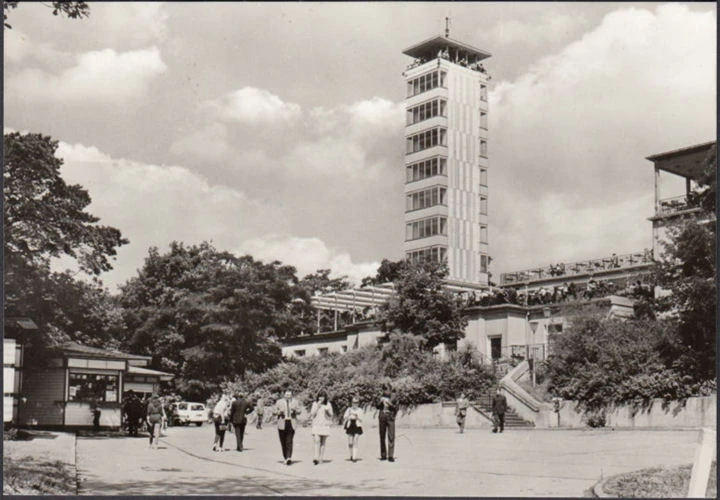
[[598, 491]]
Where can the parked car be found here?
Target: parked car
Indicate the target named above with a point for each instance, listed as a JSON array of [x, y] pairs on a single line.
[[185, 412]]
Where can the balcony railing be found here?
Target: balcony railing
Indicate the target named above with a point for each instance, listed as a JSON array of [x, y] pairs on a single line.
[[579, 267], [475, 66], [673, 205]]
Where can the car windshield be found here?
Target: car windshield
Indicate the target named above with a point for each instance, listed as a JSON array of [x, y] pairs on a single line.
[[182, 406], [197, 407]]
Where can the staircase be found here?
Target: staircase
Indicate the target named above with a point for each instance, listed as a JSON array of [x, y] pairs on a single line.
[[512, 420]]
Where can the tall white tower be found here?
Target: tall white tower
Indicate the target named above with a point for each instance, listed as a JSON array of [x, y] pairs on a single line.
[[446, 189]]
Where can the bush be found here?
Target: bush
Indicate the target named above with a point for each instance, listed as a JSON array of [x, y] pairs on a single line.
[[415, 375]]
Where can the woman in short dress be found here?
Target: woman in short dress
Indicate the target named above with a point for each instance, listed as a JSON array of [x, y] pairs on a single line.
[[321, 414], [461, 412], [353, 426]]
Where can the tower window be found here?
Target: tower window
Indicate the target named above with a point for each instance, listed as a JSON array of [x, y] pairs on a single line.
[[427, 110], [483, 120], [483, 263], [483, 177], [430, 254], [483, 205], [426, 168], [426, 139], [426, 82], [483, 92], [483, 234], [483, 148], [425, 228], [426, 198]]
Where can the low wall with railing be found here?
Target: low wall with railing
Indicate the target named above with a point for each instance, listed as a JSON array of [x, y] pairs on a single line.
[[694, 412]]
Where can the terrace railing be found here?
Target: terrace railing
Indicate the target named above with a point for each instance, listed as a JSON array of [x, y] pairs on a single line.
[[579, 267]]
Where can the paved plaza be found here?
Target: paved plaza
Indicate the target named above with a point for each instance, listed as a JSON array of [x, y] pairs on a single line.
[[430, 462]]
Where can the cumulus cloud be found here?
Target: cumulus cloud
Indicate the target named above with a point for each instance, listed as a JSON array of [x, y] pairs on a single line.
[[209, 143], [135, 24], [570, 136], [549, 27], [105, 75], [250, 105], [155, 204], [308, 255]]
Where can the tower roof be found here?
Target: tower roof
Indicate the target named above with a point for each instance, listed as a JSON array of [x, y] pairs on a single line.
[[686, 162], [430, 47]]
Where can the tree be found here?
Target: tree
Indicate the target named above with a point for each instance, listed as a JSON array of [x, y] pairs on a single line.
[[45, 218], [688, 272], [388, 272], [73, 10], [321, 282], [422, 306], [207, 315]]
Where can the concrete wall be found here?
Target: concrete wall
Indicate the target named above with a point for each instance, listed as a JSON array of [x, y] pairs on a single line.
[[433, 415]]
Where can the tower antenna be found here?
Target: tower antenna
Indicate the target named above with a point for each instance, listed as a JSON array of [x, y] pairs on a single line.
[[447, 27]]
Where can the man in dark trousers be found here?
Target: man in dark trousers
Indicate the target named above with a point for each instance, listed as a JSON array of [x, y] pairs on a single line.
[[286, 411], [134, 412], [239, 408], [388, 409], [499, 407]]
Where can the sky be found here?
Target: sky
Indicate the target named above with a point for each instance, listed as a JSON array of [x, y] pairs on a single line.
[[276, 129]]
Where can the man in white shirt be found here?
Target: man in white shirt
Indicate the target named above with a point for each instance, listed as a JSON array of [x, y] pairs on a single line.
[[286, 411]]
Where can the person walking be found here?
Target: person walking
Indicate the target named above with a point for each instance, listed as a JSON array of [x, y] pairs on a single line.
[[321, 415], [499, 407], [388, 409], [259, 411], [286, 411], [221, 412], [238, 411], [154, 416], [352, 422], [461, 412]]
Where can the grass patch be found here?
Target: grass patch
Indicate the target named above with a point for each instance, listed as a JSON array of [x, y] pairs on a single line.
[[36, 477], [658, 482]]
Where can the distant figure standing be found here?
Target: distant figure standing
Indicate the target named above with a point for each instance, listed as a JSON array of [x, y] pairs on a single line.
[[286, 411], [352, 421], [221, 412], [461, 412], [238, 411], [499, 407], [321, 414], [133, 410], [388, 409], [96, 416], [259, 411], [154, 416]]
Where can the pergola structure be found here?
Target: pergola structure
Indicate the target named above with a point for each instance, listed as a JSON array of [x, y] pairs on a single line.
[[360, 301]]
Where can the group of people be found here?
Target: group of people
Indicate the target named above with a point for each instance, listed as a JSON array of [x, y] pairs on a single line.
[[231, 414], [148, 411], [498, 407]]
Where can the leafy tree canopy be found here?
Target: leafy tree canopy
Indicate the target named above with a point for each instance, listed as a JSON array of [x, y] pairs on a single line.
[[388, 271], [208, 315], [321, 282], [422, 306], [72, 10], [45, 218]]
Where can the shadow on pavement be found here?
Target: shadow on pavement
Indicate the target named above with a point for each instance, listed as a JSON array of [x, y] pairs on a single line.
[[179, 482]]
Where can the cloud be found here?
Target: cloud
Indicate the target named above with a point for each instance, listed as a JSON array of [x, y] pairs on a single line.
[[570, 136], [134, 24], [250, 105], [105, 76], [549, 27], [308, 255], [209, 143]]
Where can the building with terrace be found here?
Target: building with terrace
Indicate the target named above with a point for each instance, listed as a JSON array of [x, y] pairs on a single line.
[[446, 219], [446, 162], [673, 200]]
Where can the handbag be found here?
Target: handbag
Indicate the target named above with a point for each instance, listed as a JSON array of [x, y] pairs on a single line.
[[222, 427]]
